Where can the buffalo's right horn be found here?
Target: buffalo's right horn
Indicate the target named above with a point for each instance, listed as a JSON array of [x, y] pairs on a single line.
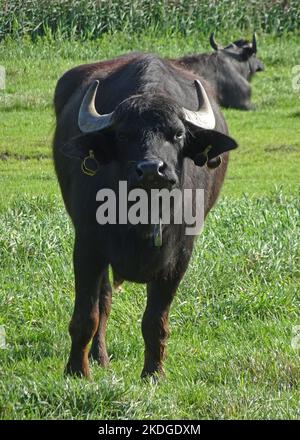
[[254, 44], [204, 117], [213, 42], [89, 120]]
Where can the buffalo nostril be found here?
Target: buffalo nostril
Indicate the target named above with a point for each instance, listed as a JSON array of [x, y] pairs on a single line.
[[161, 167], [147, 168]]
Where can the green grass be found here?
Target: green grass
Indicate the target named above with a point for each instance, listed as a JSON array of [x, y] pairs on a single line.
[[230, 352]]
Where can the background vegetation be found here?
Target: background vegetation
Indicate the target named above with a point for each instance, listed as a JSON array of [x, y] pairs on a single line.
[[230, 351], [90, 18]]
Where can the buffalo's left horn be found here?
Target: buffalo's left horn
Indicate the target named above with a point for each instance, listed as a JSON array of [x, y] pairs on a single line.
[[204, 117], [254, 45], [213, 42], [89, 120]]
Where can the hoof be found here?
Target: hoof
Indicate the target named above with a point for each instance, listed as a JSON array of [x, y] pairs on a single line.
[[76, 371], [101, 359], [152, 377]]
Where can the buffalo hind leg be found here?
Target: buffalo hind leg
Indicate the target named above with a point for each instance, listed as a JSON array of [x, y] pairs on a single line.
[[155, 327], [98, 350], [85, 319]]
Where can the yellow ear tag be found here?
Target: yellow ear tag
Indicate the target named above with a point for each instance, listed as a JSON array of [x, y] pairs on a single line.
[[90, 165]]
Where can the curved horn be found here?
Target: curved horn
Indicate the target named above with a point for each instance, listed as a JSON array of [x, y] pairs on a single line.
[[89, 120], [204, 117], [254, 45], [213, 42]]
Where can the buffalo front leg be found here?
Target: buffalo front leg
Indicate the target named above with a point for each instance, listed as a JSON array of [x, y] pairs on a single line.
[[98, 350], [85, 319], [155, 327]]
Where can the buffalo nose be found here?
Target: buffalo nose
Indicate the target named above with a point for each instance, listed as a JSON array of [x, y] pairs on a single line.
[[260, 68], [150, 168]]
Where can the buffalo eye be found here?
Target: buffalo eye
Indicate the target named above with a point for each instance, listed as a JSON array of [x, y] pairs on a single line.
[[179, 135]]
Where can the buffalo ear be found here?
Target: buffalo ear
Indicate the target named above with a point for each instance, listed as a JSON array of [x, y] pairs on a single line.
[[80, 147], [205, 147]]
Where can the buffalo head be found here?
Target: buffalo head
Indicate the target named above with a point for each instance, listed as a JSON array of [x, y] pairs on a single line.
[[149, 135], [243, 55]]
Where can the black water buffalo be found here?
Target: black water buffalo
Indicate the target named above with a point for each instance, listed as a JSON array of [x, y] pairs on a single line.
[[229, 71], [151, 125]]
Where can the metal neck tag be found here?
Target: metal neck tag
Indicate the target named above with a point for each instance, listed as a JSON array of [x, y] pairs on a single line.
[[157, 234]]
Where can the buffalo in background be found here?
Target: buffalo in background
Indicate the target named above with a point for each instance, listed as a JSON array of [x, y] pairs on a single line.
[[229, 71]]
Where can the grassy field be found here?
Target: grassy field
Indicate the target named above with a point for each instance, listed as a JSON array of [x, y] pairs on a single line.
[[230, 350]]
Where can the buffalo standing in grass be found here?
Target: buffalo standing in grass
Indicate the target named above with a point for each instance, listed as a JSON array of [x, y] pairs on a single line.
[[153, 125], [229, 71]]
